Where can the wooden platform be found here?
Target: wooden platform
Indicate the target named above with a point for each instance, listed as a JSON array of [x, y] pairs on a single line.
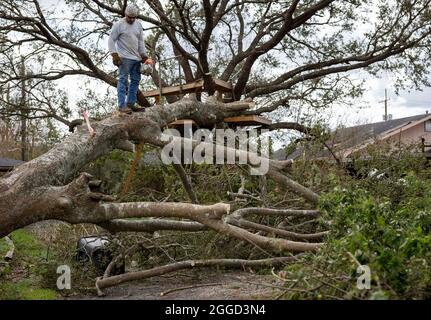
[[182, 122], [240, 121], [248, 120], [196, 86]]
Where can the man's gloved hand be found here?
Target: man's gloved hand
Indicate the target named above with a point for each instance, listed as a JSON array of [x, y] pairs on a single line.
[[116, 59], [147, 60]]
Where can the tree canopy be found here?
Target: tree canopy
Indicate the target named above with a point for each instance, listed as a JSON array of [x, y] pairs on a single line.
[[279, 52]]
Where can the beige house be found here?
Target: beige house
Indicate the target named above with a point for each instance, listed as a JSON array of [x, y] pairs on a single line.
[[347, 142]]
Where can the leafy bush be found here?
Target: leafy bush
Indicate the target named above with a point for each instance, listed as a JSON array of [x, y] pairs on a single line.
[[369, 228], [389, 238]]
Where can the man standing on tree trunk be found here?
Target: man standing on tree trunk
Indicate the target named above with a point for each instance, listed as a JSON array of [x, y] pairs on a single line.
[[126, 44]]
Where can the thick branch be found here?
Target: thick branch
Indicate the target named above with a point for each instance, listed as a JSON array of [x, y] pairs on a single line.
[[294, 186], [103, 283], [151, 225], [283, 233]]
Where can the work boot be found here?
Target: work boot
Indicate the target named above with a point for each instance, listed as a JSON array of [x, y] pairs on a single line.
[[126, 110], [134, 108]]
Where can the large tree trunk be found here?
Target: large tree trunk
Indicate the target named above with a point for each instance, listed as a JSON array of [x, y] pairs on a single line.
[[36, 190], [53, 187]]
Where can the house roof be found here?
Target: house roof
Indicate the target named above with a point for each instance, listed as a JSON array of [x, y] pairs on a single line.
[[8, 164], [357, 134], [344, 138]]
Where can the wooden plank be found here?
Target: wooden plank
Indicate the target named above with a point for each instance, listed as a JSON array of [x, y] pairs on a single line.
[[248, 120], [186, 88], [223, 86], [182, 122], [196, 86]]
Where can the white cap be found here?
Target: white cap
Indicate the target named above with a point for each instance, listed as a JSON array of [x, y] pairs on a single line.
[[131, 10]]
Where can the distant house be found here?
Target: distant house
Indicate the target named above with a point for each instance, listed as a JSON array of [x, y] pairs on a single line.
[[7, 164], [346, 142]]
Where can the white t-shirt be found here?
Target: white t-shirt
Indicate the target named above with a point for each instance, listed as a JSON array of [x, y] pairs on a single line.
[[127, 40]]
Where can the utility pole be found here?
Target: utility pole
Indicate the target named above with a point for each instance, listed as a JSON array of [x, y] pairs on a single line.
[[386, 117], [386, 104]]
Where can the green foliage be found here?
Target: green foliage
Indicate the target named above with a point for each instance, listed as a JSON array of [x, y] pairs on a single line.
[[21, 278], [24, 290], [390, 238], [378, 216], [3, 247], [27, 245], [384, 225]]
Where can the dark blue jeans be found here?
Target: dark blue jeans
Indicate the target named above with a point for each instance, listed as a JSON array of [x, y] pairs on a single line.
[[128, 68]]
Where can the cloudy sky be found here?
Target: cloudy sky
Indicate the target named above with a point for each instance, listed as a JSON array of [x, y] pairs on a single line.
[[403, 105], [371, 107], [368, 109]]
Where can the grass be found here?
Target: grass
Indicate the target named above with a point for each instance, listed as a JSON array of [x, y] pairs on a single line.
[[25, 290], [21, 278], [3, 247]]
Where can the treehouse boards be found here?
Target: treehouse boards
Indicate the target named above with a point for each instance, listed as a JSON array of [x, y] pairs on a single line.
[[224, 93]]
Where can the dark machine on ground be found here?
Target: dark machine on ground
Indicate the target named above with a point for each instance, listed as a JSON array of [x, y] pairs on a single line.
[[95, 250]]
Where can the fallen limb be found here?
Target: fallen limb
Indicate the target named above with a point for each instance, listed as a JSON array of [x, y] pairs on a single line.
[[208, 215], [287, 234], [284, 288], [213, 222], [77, 208], [265, 243], [102, 283], [102, 212], [151, 225], [294, 186], [260, 165], [212, 151], [240, 213]]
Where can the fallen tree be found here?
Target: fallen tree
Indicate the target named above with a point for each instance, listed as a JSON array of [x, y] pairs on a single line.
[[52, 186], [313, 71]]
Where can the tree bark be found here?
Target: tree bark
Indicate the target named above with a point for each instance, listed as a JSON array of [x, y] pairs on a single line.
[[45, 188], [38, 190], [103, 283]]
